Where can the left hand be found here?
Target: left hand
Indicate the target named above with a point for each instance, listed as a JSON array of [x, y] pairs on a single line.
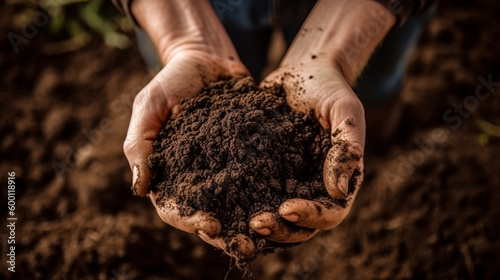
[[322, 88]]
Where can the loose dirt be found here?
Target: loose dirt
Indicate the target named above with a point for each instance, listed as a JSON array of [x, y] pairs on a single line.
[[236, 150], [438, 222]]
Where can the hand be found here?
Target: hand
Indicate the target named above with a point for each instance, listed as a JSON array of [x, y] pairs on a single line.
[[196, 50], [322, 88], [183, 77], [317, 72]]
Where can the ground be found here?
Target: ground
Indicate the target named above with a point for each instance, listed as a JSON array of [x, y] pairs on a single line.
[[428, 208]]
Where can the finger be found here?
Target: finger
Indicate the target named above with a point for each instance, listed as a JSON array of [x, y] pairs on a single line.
[[277, 230], [324, 214], [239, 246], [198, 221], [148, 114], [342, 170], [347, 123]]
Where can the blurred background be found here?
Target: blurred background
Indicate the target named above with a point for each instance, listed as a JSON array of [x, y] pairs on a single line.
[[429, 207]]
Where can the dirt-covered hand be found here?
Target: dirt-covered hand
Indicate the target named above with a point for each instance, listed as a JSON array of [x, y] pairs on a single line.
[[322, 89], [184, 76], [207, 227]]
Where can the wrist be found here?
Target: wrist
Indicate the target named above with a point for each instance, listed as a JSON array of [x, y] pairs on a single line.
[[178, 26], [370, 24], [341, 34]]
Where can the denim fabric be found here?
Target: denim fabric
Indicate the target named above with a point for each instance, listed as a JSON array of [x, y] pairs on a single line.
[[148, 50], [385, 72], [250, 23]]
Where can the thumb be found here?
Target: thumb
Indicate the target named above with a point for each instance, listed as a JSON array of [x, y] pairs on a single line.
[[137, 153], [342, 170], [148, 115]]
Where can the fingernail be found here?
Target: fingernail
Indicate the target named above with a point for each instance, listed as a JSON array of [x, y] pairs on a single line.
[[246, 247], [343, 184], [202, 233], [264, 231], [291, 217], [135, 176]]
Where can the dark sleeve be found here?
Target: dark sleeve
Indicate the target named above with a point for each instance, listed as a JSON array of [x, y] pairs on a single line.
[[124, 7], [403, 9]]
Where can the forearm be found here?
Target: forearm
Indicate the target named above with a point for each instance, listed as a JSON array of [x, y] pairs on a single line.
[[178, 25], [344, 33]]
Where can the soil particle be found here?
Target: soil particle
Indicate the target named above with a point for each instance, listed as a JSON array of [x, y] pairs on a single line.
[[336, 132], [236, 150], [349, 122], [84, 225]]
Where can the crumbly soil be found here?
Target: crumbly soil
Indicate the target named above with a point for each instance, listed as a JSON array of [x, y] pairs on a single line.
[[438, 220], [236, 150]]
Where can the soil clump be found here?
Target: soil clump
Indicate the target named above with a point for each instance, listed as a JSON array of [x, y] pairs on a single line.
[[236, 150]]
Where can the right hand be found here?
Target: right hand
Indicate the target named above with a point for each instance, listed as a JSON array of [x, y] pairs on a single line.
[[320, 87], [184, 75]]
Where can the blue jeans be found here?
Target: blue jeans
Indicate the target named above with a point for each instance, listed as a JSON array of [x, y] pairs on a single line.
[[250, 24]]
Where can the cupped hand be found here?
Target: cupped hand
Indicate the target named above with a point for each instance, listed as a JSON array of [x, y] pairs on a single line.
[[320, 86], [184, 75]]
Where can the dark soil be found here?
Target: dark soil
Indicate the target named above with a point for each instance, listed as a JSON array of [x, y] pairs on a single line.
[[439, 220], [236, 150]]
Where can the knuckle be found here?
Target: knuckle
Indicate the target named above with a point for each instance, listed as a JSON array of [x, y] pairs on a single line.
[[144, 96], [351, 100], [357, 149], [141, 97], [153, 93], [128, 146]]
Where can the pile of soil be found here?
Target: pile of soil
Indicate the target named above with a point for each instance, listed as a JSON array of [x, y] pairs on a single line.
[[236, 150]]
